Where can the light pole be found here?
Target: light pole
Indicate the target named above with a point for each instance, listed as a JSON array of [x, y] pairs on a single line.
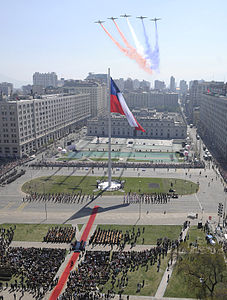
[[45, 205], [139, 200]]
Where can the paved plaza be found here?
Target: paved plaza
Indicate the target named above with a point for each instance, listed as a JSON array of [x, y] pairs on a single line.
[[112, 209]]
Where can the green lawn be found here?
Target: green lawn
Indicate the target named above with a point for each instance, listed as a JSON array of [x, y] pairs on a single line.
[[30, 232], [80, 226], [152, 279], [177, 287], [87, 185], [151, 233], [197, 234]]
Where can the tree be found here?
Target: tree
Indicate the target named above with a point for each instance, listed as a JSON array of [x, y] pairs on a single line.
[[203, 271]]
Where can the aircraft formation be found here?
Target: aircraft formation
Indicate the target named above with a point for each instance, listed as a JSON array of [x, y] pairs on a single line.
[[145, 56]]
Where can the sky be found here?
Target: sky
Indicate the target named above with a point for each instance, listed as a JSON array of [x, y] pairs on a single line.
[[61, 36]]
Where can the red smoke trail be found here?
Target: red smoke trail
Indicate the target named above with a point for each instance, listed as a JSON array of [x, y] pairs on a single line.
[[131, 52], [134, 54]]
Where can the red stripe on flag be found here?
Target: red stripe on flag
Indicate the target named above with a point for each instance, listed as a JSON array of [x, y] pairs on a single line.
[[115, 105]]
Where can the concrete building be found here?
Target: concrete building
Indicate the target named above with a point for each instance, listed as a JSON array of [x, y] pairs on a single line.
[[27, 125], [45, 79], [159, 85], [157, 100], [183, 87], [102, 78], [157, 125], [97, 92], [213, 122], [172, 86], [6, 88]]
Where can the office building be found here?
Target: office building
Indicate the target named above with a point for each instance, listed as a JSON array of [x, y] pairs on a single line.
[[96, 90], [172, 85], [213, 122], [159, 85], [6, 88], [27, 125], [45, 79]]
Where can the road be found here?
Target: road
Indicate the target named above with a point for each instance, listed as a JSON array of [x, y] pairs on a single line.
[[112, 210]]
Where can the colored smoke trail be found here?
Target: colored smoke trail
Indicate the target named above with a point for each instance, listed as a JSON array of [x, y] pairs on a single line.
[[156, 57], [139, 47], [148, 51], [143, 63], [130, 52], [152, 56], [115, 42]]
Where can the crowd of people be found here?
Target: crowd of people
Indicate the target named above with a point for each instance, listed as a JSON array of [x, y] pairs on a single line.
[[104, 164], [59, 234], [106, 237], [33, 269], [8, 166], [153, 198], [77, 198], [99, 267]]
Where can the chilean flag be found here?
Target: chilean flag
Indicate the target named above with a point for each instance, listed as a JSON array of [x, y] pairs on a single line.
[[118, 105]]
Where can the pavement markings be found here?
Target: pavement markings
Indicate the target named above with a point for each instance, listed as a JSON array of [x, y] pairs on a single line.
[[22, 206], [10, 204]]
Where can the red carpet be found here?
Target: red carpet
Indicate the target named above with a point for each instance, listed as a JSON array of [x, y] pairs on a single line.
[[57, 290]]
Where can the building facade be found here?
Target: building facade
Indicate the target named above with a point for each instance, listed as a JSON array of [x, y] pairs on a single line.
[[157, 126], [45, 79], [6, 88], [97, 92], [152, 100], [27, 125], [213, 121]]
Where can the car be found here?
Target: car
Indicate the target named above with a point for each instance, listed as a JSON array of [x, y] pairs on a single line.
[[86, 168], [117, 169]]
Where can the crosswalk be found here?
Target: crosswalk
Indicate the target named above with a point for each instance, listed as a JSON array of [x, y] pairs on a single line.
[[13, 206]]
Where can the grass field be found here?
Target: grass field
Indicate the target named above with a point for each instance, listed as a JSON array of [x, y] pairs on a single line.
[[87, 185], [177, 287], [198, 235], [80, 226], [151, 233], [30, 232], [152, 279]]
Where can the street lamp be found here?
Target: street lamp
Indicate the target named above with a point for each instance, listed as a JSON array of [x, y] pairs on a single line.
[[45, 205], [139, 200]]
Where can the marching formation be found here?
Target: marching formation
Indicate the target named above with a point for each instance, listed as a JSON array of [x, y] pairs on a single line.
[[155, 198], [77, 198], [60, 235]]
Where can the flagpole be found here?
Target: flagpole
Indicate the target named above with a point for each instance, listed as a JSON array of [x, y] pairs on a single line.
[[109, 129]]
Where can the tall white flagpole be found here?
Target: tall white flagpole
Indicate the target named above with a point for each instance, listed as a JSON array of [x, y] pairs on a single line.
[[109, 119]]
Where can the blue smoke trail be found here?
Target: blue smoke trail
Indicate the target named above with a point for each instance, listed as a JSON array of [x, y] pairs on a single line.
[[152, 56], [155, 54]]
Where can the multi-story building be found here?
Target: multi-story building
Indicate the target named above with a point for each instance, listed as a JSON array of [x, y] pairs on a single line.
[[97, 92], [172, 85], [159, 85], [157, 125], [102, 78], [213, 121], [183, 87], [196, 91], [27, 125], [6, 88], [45, 79], [157, 100]]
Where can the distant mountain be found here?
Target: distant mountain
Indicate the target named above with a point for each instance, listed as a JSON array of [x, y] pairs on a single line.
[[16, 83]]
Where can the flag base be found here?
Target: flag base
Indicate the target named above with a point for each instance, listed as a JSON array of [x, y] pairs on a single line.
[[104, 186]]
